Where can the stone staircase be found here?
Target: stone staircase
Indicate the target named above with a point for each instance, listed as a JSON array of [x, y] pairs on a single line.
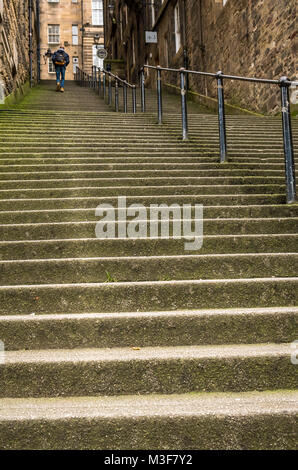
[[137, 343]]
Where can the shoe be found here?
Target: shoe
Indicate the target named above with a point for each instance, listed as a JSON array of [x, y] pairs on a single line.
[[62, 89], [58, 87]]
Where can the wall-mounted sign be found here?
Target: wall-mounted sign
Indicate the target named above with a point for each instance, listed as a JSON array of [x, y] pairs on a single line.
[[101, 53], [151, 37]]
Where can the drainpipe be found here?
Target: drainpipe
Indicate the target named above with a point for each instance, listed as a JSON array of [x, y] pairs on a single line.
[[38, 39], [82, 18], [185, 48], [30, 45], [202, 46]]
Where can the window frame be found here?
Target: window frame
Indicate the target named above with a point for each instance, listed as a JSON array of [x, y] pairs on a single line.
[[54, 34]]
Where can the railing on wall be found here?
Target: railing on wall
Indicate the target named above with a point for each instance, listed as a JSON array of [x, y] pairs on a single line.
[[284, 85], [103, 82]]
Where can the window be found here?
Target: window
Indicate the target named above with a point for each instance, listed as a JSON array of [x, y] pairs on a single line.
[[53, 1], [51, 67], [177, 28], [53, 33], [75, 34], [97, 12]]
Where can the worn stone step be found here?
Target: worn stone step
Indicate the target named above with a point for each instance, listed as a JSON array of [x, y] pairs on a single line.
[[93, 247], [210, 212], [144, 296], [59, 166], [91, 202], [128, 142], [243, 421], [148, 268], [56, 230], [165, 370], [201, 157], [149, 329], [152, 181], [150, 190]]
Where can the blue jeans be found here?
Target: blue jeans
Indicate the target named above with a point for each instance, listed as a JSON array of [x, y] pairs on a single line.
[[60, 71]]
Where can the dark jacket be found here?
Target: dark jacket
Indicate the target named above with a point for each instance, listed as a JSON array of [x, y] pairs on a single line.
[[65, 55]]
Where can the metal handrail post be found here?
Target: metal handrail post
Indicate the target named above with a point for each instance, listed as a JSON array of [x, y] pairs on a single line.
[[94, 77], [110, 90], [221, 117], [134, 99], [159, 95], [183, 105], [288, 141], [116, 96], [99, 81], [125, 97], [104, 85], [143, 96]]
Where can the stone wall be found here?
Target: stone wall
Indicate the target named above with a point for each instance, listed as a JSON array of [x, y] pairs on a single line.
[[245, 37], [14, 45]]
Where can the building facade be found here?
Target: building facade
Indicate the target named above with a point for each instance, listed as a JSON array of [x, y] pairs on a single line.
[[240, 37], [75, 24], [19, 44]]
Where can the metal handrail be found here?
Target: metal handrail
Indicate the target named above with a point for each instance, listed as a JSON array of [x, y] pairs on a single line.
[[284, 83], [99, 84]]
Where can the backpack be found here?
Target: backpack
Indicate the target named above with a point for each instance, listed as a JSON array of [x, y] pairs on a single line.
[[59, 58]]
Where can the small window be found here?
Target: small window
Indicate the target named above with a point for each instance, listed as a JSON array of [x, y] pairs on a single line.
[[75, 34], [51, 67], [53, 34]]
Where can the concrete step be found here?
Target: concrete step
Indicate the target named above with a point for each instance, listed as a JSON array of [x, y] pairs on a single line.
[[152, 190], [93, 247], [150, 295], [90, 202], [84, 215], [149, 329], [57, 230], [152, 181], [161, 370], [134, 165], [153, 268], [243, 421], [82, 317]]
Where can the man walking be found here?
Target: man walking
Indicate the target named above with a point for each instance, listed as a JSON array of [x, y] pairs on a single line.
[[60, 60]]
